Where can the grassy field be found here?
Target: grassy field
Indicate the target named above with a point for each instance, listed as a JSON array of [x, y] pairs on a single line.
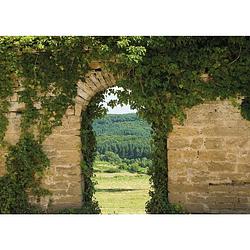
[[121, 193]]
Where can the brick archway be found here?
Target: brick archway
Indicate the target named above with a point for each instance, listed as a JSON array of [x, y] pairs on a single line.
[[208, 156], [63, 146]]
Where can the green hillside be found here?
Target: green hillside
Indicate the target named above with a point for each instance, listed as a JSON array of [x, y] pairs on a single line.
[[125, 134]]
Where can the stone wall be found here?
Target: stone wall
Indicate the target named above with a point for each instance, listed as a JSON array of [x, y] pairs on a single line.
[[63, 146], [209, 160], [208, 156]]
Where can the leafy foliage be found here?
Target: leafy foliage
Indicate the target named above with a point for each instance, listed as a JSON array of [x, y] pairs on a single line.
[[7, 69], [126, 135], [160, 76], [245, 108], [94, 110], [116, 164], [26, 163], [44, 71]]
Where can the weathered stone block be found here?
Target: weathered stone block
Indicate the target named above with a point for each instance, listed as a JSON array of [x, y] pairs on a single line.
[[189, 155], [69, 199], [243, 168], [83, 94], [244, 157], [187, 188], [72, 171], [199, 179], [63, 143], [197, 197], [174, 155], [74, 190], [176, 197], [213, 143], [221, 166], [212, 155], [220, 131], [221, 206], [195, 208], [178, 143], [184, 132], [197, 143]]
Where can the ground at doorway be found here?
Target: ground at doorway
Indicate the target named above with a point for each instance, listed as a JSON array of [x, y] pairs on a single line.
[[122, 193]]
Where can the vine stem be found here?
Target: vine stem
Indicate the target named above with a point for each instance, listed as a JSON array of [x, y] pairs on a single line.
[[35, 67], [237, 58]]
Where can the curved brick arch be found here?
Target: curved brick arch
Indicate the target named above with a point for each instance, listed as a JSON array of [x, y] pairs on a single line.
[[63, 146], [95, 81], [208, 156]]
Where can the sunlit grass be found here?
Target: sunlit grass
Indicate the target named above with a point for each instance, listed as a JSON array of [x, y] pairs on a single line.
[[122, 193]]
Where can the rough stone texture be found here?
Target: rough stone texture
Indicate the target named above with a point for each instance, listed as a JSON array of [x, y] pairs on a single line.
[[208, 156], [209, 160], [63, 146], [12, 134]]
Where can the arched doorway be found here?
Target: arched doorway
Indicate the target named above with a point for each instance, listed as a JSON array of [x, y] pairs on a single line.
[[123, 158], [63, 146]]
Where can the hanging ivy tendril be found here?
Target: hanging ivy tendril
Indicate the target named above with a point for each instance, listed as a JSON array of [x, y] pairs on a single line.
[[160, 77]]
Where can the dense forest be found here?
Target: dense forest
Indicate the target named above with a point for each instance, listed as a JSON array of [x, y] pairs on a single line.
[[126, 135]]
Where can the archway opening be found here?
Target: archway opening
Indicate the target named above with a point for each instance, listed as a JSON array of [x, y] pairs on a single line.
[[122, 157]]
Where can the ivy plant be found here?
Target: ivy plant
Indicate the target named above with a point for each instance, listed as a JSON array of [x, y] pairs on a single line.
[[160, 77]]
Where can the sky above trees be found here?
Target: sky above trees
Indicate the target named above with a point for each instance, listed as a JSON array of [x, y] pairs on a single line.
[[118, 109]]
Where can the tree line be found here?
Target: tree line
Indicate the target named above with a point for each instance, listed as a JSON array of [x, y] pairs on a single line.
[[126, 135]]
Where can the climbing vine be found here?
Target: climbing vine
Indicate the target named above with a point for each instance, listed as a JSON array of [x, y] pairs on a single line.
[[163, 76], [25, 165], [94, 110], [160, 77], [159, 204], [7, 69], [43, 72]]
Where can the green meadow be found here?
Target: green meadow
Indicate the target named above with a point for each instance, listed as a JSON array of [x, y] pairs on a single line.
[[120, 192]]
